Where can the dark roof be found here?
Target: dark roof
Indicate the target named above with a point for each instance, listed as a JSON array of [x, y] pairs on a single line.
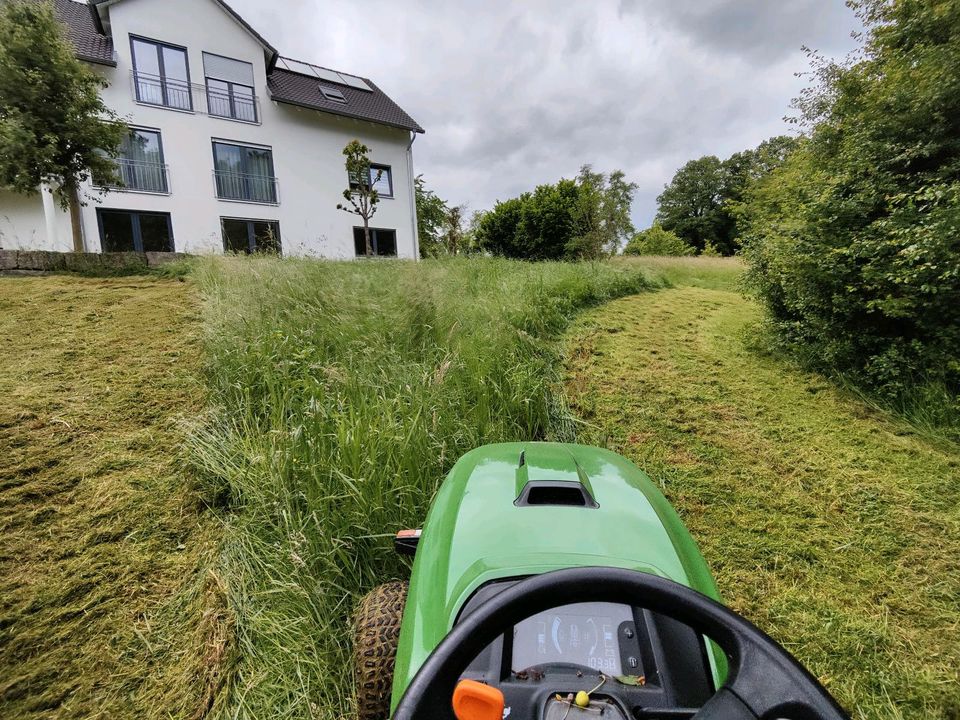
[[86, 33], [302, 90], [83, 31]]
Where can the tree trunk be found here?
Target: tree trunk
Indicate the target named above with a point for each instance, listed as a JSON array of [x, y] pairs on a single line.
[[366, 235], [76, 224]]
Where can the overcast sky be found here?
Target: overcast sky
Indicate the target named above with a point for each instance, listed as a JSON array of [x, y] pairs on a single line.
[[513, 94]]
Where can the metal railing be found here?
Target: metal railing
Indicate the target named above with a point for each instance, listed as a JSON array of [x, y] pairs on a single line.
[[140, 176], [193, 97], [246, 187], [143, 176]]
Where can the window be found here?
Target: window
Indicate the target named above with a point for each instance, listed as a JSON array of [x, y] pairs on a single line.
[[160, 74], [384, 242], [134, 231], [244, 173], [381, 180], [333, 94], [140, 163], [229, 88], [250, 236]]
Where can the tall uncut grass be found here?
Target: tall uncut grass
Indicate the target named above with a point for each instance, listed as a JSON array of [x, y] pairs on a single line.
[[341, 394]]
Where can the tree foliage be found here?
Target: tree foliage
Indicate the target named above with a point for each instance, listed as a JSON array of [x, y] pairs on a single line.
[[431, 216], [53, 125], [853, 243], [657, 241], [584, 218], [361, 193], [700, 202]]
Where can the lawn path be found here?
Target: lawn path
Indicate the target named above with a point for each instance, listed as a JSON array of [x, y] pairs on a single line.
[[99, 539], [831, 526]]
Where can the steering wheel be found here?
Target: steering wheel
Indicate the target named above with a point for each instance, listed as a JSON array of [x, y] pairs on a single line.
[[763, 681]]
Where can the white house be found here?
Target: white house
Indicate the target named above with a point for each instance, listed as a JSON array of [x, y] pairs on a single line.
[[233, 146]]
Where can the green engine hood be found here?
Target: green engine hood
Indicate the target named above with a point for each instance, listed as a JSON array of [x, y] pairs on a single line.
[[475, 533]]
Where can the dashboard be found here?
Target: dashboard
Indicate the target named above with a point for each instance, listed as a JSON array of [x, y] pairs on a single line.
[[585, 634], [646, 661]]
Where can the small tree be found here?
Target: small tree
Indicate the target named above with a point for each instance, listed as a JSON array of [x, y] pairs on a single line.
[[54, 128], [361, 194], [655, 240]]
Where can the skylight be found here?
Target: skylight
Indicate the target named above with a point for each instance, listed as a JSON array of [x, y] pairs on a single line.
[[333, 94]]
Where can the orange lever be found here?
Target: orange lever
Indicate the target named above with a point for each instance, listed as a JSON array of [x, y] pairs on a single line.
[[473, 700]]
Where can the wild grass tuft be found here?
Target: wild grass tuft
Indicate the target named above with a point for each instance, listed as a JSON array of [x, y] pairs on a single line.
[[342, 394]]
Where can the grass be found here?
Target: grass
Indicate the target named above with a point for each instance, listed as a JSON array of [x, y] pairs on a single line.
[[343, 394], [832, 525], [104, 608], [327, 401]]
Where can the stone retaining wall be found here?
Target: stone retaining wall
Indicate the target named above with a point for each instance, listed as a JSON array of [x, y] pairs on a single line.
[[30, 262]]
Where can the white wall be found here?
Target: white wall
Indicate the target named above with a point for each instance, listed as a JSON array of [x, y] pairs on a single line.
[[307, 146], [23, 227]]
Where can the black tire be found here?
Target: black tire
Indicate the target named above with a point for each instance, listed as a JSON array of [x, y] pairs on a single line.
[[375, 637]]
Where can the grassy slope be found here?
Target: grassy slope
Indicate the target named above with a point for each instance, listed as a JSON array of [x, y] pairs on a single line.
[[832, 526], [99, 539]]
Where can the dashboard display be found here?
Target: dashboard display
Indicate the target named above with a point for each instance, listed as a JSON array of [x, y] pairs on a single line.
[[584, 634]]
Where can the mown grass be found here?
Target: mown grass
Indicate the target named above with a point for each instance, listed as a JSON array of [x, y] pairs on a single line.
[[106, 608], [832, 525], [342, 394]]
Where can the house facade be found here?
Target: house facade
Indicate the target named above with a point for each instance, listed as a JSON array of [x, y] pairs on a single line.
[[233, 147]]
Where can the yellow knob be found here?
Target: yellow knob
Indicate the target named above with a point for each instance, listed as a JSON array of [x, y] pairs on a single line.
[[582, 699]]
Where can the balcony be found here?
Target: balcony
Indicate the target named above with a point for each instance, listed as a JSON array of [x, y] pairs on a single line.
[[244, 187], [192, 97], [138, 176]]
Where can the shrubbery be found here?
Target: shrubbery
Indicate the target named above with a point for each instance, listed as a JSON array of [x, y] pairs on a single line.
[[854, 244], [657, 241], [585, 218]]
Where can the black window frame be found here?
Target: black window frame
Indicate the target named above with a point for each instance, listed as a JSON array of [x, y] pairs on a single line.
[[231, 97], [163, 165], [135, 226], [160, 44], [243, 163], [230, 92], [358, 238], [373, 167], [251, 235]]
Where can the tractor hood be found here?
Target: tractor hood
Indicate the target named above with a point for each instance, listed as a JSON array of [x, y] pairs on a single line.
[[518, 509]]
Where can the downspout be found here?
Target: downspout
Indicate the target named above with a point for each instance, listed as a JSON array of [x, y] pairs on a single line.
[[413, 197]]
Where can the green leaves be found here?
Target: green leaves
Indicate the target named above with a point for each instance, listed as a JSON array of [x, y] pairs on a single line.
[[853, 242], [53, 124]]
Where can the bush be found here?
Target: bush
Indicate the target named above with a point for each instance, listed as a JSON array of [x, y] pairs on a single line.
[[853, 242], [342, 393], [657, 241]]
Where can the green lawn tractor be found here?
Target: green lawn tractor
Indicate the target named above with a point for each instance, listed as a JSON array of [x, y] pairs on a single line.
[[555, 582]]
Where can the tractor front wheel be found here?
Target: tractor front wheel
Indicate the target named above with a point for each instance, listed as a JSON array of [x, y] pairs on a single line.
[[375, 638]]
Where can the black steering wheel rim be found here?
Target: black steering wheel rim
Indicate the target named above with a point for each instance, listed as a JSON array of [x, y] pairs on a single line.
[[764, 680]]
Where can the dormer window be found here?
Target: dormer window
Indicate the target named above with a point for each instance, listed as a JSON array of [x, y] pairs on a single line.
[[331, 93]]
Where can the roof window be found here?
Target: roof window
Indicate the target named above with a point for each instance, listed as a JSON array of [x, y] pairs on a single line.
[[332, 94]]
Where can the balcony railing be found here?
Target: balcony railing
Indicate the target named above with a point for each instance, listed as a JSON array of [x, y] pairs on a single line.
[[193, 97], [139, 176], [245, 187]]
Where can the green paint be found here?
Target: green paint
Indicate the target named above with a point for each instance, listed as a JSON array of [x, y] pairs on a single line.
[[475, 534]]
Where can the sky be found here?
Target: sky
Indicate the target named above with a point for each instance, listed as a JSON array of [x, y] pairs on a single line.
[[515, 94]]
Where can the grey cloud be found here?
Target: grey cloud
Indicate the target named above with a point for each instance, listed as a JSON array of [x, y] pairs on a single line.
[[763, 30], [515, 94]]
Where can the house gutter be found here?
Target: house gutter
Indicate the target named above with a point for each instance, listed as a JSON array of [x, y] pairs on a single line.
[[413, 197]]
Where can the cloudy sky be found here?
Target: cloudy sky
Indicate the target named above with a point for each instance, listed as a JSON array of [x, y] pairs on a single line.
[[513, 94]]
